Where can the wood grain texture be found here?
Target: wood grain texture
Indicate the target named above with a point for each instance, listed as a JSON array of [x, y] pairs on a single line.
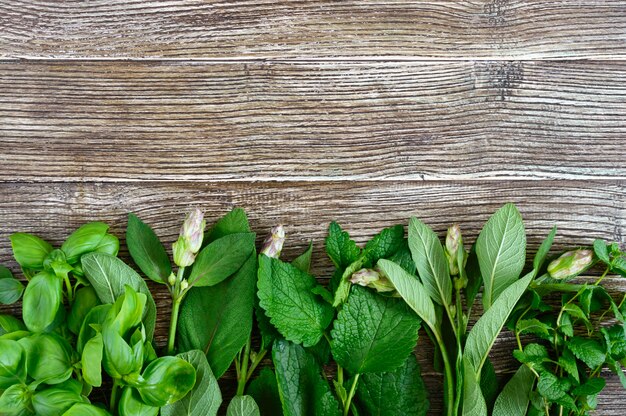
[[267, 29], [67, 121], [581, 210]]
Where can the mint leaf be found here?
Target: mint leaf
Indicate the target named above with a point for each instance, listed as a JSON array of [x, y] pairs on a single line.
[[234, 222], [225, 311], [403, 258], [302, 389], [551, 387], [602, 252], [373, 333], [285, 295], [398, 393], [264, 391], [534, 354], [567, 361], [146, 250], [514, 399], [534, 326], [303, 261], [431, 263], [340, 248], [501, 251], [588, 351], [590, 387], [384, 244], [242, 406]]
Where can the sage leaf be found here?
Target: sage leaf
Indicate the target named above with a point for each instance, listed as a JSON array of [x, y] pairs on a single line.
[[146, 250], [483, 335], [242, 406], [501, 251], [398, 393], [473, 400], [205, 397], [373, 334], [234, 222], [514, 399], [221, 258], [285, 295], [109, 275], [340, 248], [413, 293], [226, 313], [303, 390], [303, 261], [544, 249], [264, 391]]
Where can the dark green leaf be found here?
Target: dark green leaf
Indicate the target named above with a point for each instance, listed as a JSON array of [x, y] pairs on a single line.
[[514, 399], [83, 240], [384, 244], [599, 247], [552, 387], [146, 250], [542, 253], [340, 248], [474, 279], [242, 406], [84, 301], [29, 250], [590, 387], [473, 400], [403, 258], [589, 351], [303, 261], [533, 354], [489, 384], [234, 222], [567, 361], [264, 390]]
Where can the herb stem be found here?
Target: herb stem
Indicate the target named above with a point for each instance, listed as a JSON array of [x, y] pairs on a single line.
[[448, 379], [177, 297], [114, 392], [243, 376], [68, 287], [346, 408], [257, 360]]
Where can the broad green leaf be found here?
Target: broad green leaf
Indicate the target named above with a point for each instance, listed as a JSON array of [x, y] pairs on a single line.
[[412, 292], [84, 301], [384, 244], [340, 248], [12, 363], [11, 289], [92, 361], [403, 258], [589, 351], [542, 253], [303, 390], [514, 399], [534, 326], [533, 354], [285, 295], [221, 258], [398, 393], [166, 380], [431, 263], [590, 387], [242, 406], [109, 244], [49, 358], [226, 313], [552, 387], [15, 401], [205, 397], [29, 250], [83, 240], [473, 400], [146, 250], [234, 222], [372, 333], [489, 384], [109, 275], [131, 404], [501, 251], [54, 401], [42, 301], [484, 333], [84, 409], [303, 261], [10, 324], [264, 391], [601, 250]]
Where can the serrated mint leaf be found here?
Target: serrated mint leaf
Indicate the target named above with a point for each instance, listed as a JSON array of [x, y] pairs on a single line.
[[533, 354], [544, 249], [340, 248], [146, 250], [431, 263], [501, 251], [343, 288], [567, 361], [372, 333], [566, 326], [398, 393], [384, 244], [285, 294], [264, 391], [552, 387], [303, 390], [403, 258], [534, 326], [514, 399], [242, 406], [303, 261], [225, 311], [234, 222], [590, 387], [599, 247], [589, 351]]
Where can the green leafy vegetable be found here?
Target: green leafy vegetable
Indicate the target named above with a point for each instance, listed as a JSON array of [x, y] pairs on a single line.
[[147, 251], [242, 406]]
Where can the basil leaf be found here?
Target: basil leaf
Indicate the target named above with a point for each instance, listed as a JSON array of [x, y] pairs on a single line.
[[29, 250], [205, 397], [108, 275], [432, 266], [412, 292], [12, 363], [501, 251], [484, 333], [42, 301], [340, 248], [398, 393], [166, 380], [285, 295], [302, 389], [146, 250], [84, 409], [49, 358], [131, 404], [303, 261], [92, 360], [242, 406], [373, 334], [226, 313], [236, 221], [543, 251], [109, 244], [83, 240], [11, 289], [85, 300], [54, 401], [264, 391], [15, 400], [10, 324], [514, 399], [221, 258]]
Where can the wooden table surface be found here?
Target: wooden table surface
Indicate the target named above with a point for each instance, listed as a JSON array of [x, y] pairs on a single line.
[[301, 112]]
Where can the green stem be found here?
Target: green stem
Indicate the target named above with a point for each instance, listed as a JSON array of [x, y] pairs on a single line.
[[459, 359], [448, 379], [346, 407], [68, 287], [173, 324], [257, 360], [114, 392], [243, 377]]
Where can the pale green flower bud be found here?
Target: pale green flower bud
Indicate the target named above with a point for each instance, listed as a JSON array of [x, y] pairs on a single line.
[[171, 279], [184, 284], [454, 243], [273, 244], [183, 256], [374, 279], [193, 230], [571, 264]]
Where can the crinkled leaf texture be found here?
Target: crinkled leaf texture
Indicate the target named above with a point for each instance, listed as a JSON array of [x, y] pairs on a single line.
[[514, 399], [242, 406], [285, 295], [397, 393], [302, 389], [340, 248], [372, 333], [108, 275]]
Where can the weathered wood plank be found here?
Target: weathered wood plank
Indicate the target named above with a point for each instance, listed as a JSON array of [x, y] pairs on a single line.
[[518, 29], [64, 121]]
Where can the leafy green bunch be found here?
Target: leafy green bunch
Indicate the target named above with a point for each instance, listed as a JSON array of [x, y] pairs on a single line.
[[574, 341]]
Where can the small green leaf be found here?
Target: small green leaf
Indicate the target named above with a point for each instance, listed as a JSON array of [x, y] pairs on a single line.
[[384, 244], [514, 399], [92, 361], [146, 250], [131, 404], [234, 222], [473, 400], [83, 240], [552, 387], [534, 326], [599, 247], [242, 406], [10, 324], [340, 248], [264, 391], [590, 387], [42, 301], [29, 250], [567, 361], [589, 351], [303, 261], [543, 251], [533, 354], [10, 289], [501, 251]]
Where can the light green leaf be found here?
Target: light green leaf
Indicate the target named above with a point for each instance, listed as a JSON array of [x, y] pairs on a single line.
[[83, 240], [49, 358], [54, 401], [108, 275], [514, 399], [15, 401], [146, 250], [242, 406], [431, 263], [264, 391], [12, 363], [205, 397], [92, 361], [473, 400], [534, 326], [285, 295], [10, 289], [589, 351], [84, 409], [542, 253], [221, 258], [501, 250], [29, 250], [340, 248], [398, 393], [42, 300], [373, 334], [226, 313], [303, 261], [9, 324], [484, 333], [234, 222], [412, 292]]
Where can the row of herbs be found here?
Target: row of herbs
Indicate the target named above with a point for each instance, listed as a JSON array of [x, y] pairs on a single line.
[[88, 321]]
